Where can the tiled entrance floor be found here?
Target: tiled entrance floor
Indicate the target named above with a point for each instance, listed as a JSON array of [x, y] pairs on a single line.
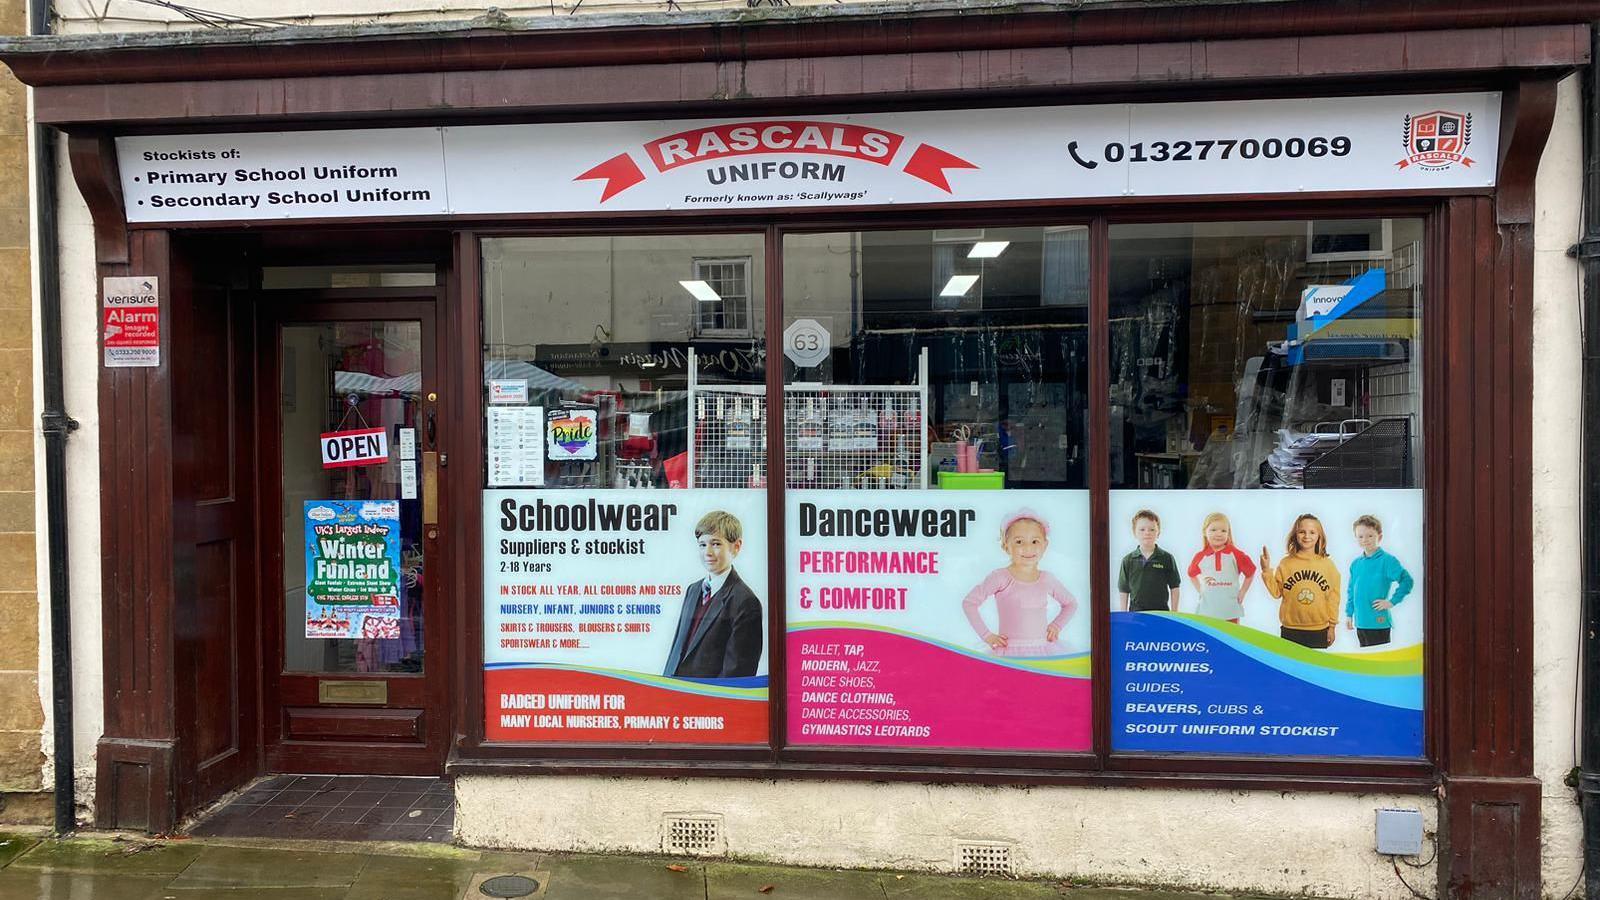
[[337, 807]]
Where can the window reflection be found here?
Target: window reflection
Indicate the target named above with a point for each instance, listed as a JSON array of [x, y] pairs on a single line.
[[618, 332], [989, 323], [1266, 354]]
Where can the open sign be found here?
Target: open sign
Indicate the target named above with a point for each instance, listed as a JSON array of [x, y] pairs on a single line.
[[364, 447]]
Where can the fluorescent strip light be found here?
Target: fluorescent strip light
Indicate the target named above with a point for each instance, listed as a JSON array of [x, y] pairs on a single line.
[[988, 249], [701, 291], [958, 285]]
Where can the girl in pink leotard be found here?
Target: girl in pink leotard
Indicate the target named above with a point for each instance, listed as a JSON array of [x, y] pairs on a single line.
[[1021, 593]]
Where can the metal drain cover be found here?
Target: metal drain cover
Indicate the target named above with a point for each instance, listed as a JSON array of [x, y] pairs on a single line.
[[508, 886]]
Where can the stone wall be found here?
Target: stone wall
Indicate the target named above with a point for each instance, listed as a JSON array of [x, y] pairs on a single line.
[[21, 712], [1557, 505], [106, 16]]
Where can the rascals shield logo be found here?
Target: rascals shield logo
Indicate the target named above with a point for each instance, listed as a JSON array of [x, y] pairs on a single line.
[[1437, 140]]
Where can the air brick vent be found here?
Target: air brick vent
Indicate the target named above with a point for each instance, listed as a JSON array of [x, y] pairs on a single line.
[[986, 858], [696, 835]]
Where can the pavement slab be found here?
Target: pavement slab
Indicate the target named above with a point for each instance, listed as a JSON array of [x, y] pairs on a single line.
[[239, 867], [725, 881], [955, 887], [411, 878], [31, 884], [93, 856], [508, 861], [542, 878], [96, 867], [252, 893], [1104, 892], [14, 845], [624, 878]]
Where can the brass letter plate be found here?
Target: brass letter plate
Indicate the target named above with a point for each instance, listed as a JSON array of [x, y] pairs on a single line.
[[370, 692], [430, 488]]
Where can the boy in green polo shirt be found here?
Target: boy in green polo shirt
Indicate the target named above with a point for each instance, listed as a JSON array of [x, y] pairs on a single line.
[[1149, 577]]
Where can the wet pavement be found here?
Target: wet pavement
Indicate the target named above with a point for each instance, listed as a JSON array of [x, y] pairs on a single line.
[[113, 867]]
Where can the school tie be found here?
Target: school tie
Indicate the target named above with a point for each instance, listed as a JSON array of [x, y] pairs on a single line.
[[700, 611]]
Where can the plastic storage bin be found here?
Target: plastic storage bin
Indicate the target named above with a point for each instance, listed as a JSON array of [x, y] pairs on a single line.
[[972, 481]]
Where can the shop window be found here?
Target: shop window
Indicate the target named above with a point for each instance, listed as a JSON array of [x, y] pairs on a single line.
[[936, 471], [1066, 267], [1330, 240], [956, 280], [1263, 452], [722, 297], [1266, 464], [625, 586]]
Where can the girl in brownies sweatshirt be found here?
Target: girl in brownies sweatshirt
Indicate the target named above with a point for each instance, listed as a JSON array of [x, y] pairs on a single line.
[[1306, 583]]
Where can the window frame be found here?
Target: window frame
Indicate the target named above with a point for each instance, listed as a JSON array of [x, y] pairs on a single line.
[[748, 331], [1385, 252], [1100, 766]]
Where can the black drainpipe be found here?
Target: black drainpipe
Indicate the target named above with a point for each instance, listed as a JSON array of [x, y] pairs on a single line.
[[56, 425], [1588, 253]]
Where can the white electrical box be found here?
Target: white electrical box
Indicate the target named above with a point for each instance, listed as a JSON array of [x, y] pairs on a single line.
[[1400, 832]]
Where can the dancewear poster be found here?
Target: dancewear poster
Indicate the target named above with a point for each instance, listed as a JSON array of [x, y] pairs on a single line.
[[941, 619], [1284, 623], [625, 616]]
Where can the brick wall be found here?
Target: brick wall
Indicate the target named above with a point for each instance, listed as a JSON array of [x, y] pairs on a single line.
[[21, 715]]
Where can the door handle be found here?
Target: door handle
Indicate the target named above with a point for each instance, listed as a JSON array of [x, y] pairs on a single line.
[[430, 488], [432, 429]]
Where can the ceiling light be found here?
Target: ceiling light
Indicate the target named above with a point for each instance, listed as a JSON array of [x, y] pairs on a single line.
[[701, 291], [988, 249], [958, 285]]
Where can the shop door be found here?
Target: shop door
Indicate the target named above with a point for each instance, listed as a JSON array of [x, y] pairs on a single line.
[[357, 674]]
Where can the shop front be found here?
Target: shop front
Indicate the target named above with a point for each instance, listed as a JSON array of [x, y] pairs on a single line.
[[942, 465]]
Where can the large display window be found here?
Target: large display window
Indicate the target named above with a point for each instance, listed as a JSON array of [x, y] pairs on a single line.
[[616, 608], [936, 450], [1041, 503], [1266, 514]]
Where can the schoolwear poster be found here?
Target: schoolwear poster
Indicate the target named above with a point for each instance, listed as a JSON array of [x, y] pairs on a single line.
[[608, 619]]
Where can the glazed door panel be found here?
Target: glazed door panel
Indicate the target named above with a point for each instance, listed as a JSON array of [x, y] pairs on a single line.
[[357, 658]]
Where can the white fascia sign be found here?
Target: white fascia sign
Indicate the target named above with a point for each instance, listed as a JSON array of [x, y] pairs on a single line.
[[1330, 144]]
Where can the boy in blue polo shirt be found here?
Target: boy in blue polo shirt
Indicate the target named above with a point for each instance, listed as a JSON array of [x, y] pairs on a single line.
[[1367, 599]]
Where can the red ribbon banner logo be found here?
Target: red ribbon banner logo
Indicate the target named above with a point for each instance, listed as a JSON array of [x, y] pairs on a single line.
[[718, 142]]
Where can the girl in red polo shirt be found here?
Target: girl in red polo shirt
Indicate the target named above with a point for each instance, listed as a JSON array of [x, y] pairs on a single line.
[[1221, 573]]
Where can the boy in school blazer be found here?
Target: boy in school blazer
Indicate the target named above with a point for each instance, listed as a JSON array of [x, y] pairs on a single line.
[[719, 632]]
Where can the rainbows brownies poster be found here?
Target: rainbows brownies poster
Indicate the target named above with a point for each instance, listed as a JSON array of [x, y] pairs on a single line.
[[574, 434]]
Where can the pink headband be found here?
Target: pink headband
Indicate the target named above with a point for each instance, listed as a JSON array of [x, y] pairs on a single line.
[[1019, 516]]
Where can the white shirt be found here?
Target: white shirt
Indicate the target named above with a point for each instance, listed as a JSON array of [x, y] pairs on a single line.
[[717, 581]]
